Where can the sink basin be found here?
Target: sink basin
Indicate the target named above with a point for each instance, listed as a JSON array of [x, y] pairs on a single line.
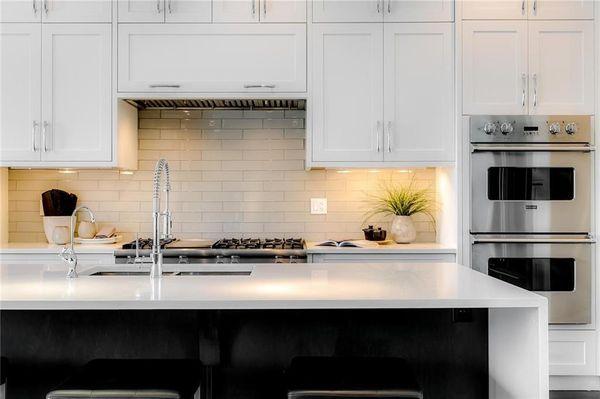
[[170, 270]]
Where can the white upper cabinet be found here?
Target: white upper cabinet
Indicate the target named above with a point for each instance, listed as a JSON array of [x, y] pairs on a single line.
[[212, 58], [347, 99], [282, 11], [494, 9], [236, 11], [528, 9], [561, 9], [55, 11], [188, 11], [495, 71], [76, 93], [20, 89], [418, 10], [418, 92], [347, 10], [561, 67], [141, 10], [20, 11]]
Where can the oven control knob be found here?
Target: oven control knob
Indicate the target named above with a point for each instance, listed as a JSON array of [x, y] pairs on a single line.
[[554, 128], [235, 259], [506, 128], [571, 128], [489, 128]]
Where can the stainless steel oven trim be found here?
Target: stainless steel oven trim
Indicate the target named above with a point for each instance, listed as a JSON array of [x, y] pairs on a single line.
[[564, 307], [499, 217]]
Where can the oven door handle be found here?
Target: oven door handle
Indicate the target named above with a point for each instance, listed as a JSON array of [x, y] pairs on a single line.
[[531, 148], [588, 240]]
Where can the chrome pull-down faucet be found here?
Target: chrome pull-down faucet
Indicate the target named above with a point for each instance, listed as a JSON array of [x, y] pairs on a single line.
[[68, 254], [162, 167]]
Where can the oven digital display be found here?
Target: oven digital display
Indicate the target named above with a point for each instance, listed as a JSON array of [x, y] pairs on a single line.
[[535, 274], [530, 184]]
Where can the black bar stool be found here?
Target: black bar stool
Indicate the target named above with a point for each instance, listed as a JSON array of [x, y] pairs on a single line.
[[129, 378], [351, 377]]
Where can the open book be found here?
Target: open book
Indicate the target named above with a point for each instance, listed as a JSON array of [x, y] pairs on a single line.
[[348, 243]]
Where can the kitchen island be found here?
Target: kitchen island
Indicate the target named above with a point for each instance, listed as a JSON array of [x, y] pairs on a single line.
[[515, 320]]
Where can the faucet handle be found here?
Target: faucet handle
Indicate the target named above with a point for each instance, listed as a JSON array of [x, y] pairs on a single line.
[[68, 256]]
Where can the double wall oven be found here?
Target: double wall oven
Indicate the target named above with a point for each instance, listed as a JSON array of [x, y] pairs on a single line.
[[531, 207]]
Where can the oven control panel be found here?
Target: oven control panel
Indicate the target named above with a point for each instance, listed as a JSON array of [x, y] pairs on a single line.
[[531, 129]]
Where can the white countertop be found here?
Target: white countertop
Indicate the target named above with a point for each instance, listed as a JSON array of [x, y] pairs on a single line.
[[45, 248], [270, 286], [393, 248]]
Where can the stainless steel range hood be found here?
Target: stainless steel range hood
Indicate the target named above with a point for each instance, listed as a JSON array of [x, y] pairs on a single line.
[[236, 103]]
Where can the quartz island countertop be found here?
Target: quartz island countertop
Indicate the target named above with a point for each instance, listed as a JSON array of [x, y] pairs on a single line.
[[269, 286]]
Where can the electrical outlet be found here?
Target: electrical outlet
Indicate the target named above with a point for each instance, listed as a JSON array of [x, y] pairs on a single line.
[[318, 206]]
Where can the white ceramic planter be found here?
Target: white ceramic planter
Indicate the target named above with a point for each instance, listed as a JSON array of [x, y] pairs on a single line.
[[403, 230]]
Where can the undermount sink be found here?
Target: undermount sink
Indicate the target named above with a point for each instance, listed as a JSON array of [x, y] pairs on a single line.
[[173, 270]]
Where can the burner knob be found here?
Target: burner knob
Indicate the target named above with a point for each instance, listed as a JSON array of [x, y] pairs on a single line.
[[506, 128], [235, 259], [220, 259], [278, 259], [554, 128], [293, 259], [489, 128], [571, 128]]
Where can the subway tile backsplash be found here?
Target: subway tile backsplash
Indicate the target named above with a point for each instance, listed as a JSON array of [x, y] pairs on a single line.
[[234, 173]]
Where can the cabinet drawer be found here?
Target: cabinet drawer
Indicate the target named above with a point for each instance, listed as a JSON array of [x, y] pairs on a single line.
[[237, 58], [82, 258], [572, 352], [382, 258]]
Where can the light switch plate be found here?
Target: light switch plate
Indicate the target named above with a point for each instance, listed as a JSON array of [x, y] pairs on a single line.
[[318, 206]]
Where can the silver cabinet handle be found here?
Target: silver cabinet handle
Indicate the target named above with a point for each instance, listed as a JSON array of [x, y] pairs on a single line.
[[264, 5], [379, 123], [535, 100], [389, 136], [34, 5], [389, 7], [169, 6], [45, 5], [268, 86], [167, 86], [522, 7], [534, 7], [253, 8], [33, 136], [379, 6], [158, 6], [524, 88], [44, 130]]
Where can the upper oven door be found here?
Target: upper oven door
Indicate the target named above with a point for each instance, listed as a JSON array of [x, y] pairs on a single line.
[[522, 191], [562, 272]]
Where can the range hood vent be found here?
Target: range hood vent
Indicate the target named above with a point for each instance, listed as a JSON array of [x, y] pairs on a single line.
[[247, 104]]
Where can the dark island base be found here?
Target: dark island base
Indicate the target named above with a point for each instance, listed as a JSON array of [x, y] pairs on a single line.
[[248, 350]]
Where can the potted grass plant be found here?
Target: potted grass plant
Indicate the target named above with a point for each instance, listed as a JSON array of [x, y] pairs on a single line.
[[402, 202]]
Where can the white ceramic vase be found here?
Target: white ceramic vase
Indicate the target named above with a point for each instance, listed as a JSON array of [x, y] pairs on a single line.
[[403, 230]]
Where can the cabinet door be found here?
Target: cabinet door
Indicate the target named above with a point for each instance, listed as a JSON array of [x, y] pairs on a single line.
[[347, 92], [20, 11], [76, 11], [76, 93], [494, 67], [494, 9], [418, 92], [418, 10], [247, 58], [188, 11], [20, 90], [561, 9], [561, 67], [239, 11], [347, 11], [282, 11], [141, 10]]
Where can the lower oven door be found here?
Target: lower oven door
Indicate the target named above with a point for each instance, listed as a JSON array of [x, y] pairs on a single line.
[[530, 191], [560, 271]]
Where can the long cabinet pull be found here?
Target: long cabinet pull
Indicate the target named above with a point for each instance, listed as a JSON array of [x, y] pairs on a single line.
[[377, 135], [44, 131], [534, 7], [535, 99], [34, 5], [389, 136], [253, 8], [170, 6], [522, 7], [45, 5], [264, 2], [389, 7], [268, 86], [167, 86], [524, 88], [33, 136], [379, 6], [158, 6]]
